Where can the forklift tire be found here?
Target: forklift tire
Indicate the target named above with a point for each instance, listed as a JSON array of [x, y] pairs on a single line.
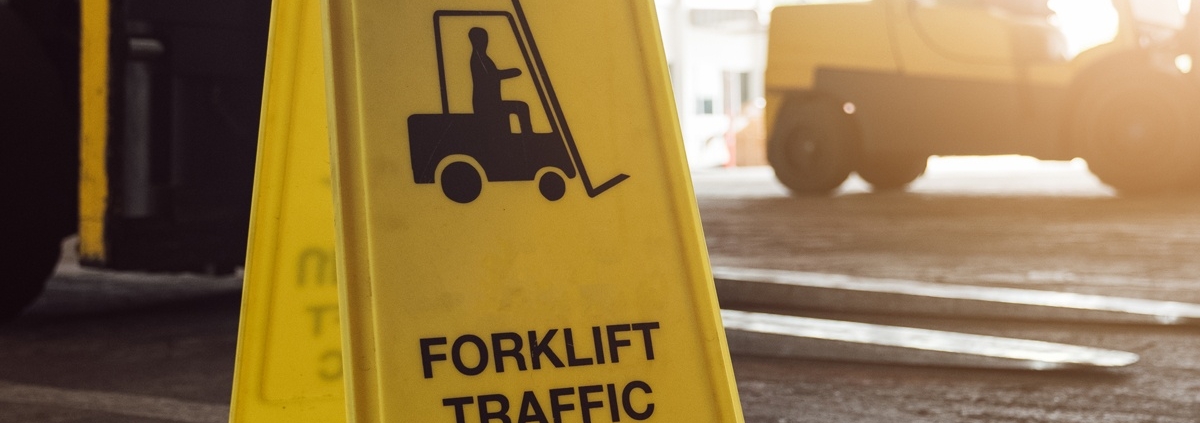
[[891, 173], [38, 164], [25, 280], [814, 145], [461, 182], [552, 186], [1140, 136]]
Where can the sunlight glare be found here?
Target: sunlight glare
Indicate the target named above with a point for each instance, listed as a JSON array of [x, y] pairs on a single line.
[[1183, 62], [1085, 23]]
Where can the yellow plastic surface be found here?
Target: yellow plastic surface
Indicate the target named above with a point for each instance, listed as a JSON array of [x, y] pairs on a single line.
[[93, 131], [594, 307], [838, 36], [289, 366]]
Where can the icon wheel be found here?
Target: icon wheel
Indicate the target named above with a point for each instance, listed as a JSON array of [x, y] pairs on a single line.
[[552, 186], [461, 182]]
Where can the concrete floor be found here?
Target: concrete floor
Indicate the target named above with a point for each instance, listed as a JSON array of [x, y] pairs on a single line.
[[105, 347]]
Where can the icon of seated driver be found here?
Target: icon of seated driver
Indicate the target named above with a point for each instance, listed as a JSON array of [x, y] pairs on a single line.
[[486, 79]]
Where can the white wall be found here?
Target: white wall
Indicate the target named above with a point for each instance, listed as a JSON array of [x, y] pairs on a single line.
[[700, 56]]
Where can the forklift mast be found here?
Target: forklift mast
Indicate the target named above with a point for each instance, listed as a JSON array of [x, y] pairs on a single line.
[[133, 123], [169, 159]]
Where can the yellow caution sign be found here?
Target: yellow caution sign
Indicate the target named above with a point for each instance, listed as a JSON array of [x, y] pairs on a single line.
[[289, 364], [517, 241]]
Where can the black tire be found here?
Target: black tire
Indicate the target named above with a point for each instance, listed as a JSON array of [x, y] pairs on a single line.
[[813, 146], [1139, 133], [461, 182], [552, 186], [25, 277], [891, 173], [38, 164]]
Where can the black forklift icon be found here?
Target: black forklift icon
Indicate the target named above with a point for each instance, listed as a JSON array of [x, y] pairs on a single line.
[[496, 140]]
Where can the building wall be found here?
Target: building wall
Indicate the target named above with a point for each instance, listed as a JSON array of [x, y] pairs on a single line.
[[716, 50]]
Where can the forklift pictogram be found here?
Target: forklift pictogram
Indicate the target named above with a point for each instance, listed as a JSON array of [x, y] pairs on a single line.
[[496, 141]]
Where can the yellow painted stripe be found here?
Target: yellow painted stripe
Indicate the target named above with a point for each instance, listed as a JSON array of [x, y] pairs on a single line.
[[93, 138]]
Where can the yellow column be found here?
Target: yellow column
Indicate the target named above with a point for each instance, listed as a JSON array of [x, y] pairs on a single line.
[[93, 134]]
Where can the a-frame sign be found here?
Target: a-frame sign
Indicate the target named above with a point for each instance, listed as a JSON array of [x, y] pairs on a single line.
[[516, 236]]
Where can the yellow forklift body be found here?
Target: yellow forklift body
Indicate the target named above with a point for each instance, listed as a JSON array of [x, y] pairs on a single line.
[[851, 36], [934, 77], [906, 37]]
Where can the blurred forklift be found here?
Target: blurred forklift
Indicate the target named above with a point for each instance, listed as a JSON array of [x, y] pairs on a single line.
[[878, 86], [133, 123]]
